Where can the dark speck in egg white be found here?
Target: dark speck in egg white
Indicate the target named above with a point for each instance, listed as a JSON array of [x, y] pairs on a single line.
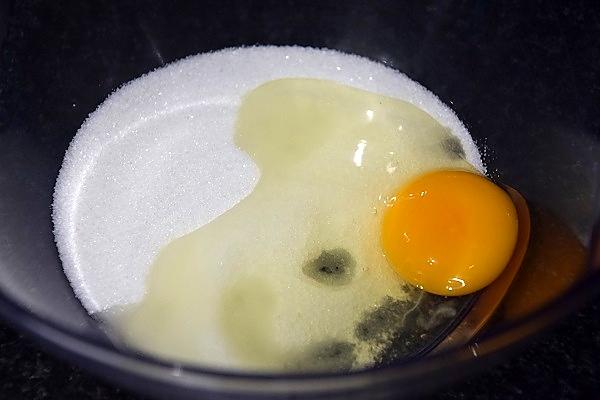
[[332, 267], [329, 355], [453, 147], [378, 324]]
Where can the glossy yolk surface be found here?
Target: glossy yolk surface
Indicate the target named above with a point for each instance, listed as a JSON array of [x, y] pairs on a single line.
[[450, 232]]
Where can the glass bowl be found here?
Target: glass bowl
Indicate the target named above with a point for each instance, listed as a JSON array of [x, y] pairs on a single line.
[[521, 78]]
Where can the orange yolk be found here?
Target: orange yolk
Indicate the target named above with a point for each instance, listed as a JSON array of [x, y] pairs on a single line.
[[450, 232]]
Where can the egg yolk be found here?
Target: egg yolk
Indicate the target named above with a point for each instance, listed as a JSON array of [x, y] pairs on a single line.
[[449, 232]]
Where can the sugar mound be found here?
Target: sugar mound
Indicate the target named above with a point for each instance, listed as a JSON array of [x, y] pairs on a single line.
[[156, 160]]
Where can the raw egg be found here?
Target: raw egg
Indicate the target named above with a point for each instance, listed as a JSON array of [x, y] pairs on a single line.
[[293, 277], [449, 232]]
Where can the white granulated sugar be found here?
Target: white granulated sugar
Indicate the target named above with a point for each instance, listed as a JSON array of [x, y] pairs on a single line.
[[156, 160]]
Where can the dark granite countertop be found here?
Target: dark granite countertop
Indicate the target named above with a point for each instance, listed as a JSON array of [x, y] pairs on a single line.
[[562, 364]]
